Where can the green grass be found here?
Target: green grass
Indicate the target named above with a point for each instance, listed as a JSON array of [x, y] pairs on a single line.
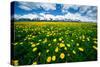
[[54, 42]]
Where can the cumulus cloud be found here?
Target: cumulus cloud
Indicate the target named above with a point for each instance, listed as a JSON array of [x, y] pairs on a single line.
[[26, 16], [16, 16], [65, 17], [30, 16], [25, 7], [83, 12], [66, 7], [79, 12], [31, 5], [77, 16]]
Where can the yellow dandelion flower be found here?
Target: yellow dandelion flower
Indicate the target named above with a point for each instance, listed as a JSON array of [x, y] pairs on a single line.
[[95, 47], [21, 42], [49, 59], [39, 53], [15, 43], [62, 55], [49, 44], [77, 44], [45, 40], [88, 39], [65, 48], [47, 35], [34, 49], [15, 62], [54, 40], [60, 39], [83, 36], [68, 45], [81, 49], [33, 45], [95, 42], [37, 43], [53, 58], [35, 62], [33, 36], [47, 51], [29, 38], [62, 45], [83, 40], [56, 50], [68, 54], [74, 52], [94, 38], [72, 40], [40, 40]]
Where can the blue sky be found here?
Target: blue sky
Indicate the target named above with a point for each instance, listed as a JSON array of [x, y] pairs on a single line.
[[33, 10]]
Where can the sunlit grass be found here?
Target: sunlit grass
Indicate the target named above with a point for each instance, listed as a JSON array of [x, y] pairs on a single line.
[[54, 42]]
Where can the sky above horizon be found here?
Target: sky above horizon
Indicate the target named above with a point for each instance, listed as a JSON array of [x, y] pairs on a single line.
[[34, 10]]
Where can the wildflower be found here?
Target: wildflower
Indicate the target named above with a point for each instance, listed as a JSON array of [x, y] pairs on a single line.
[[62, 45], [74, 52], [40, 40], [95, 47], [29, 38], [62, 55], [33, 45], [37, 43], [56, 50], [65, 48], [72, 40], [54, 40], [60, 39], [47, 35], [81, 49], [88, 39], [68, 45], [77, 44], [68, 54], [35, 62], [34, 49], [49, 59], [15, 62], [33, 36], [83, 40], [83, 36], [47, 51], [53, 58], [39, 53], [15, 43], [49, 44], [95, 42], [94, 38], [45, 40], [21, 42]]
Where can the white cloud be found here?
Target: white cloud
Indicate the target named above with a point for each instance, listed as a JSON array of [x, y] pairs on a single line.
[[84, 9], [26, 16], [66, 7], [25, 7], [38, 5], [92, 13], [16, 16], [30, 16], [77, 16], [75, 7], [89, 12], [43, 16]]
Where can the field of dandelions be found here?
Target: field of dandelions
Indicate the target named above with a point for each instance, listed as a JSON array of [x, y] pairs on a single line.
[[53, 42]]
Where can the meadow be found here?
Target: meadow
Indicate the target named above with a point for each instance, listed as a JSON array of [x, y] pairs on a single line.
[[54, 42]]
